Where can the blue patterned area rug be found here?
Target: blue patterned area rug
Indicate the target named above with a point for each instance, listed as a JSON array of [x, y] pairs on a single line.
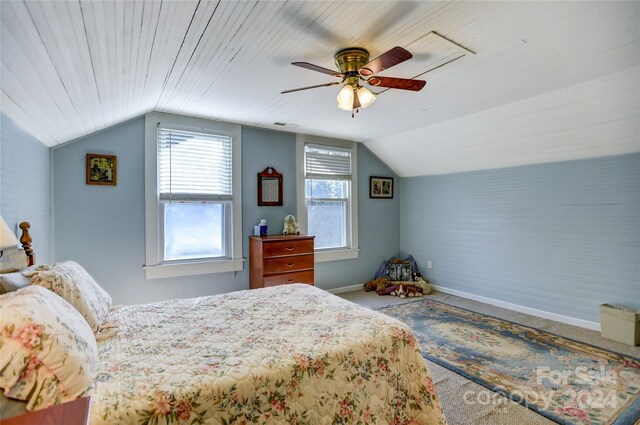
[[567, 381]]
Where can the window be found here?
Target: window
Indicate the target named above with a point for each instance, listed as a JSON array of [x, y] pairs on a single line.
[[195, 192], [329, 210], [327, 173], [193, 204]]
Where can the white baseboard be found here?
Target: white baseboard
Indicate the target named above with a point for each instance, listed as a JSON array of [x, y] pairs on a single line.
[[521, 309], [345, 289]]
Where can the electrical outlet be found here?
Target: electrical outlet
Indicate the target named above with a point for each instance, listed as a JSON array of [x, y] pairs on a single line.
[[429, 264]]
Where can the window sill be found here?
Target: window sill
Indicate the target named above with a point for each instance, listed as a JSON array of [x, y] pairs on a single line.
[[335, 255], [193, 268]]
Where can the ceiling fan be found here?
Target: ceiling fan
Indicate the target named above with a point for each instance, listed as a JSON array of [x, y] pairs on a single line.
[[355, 66]]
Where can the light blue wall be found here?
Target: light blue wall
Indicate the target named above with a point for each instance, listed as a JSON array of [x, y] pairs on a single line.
[[25, 185], [102, 227], [378, 222], [561, 237], [260, 149]]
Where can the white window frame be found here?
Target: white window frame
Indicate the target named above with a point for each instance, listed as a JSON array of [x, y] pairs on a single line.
[[328, 254], [154, 267]]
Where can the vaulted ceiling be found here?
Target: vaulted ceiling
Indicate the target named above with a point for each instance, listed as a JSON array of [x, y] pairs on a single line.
[[549, 81]]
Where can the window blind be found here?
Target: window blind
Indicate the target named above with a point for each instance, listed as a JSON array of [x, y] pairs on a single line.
[[321, 162], [194, 166]]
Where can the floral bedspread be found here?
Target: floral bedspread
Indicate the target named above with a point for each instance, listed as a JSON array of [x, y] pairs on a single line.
[[290, 354]]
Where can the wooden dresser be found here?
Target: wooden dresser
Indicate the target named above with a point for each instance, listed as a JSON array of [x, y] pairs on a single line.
[[280, 260]]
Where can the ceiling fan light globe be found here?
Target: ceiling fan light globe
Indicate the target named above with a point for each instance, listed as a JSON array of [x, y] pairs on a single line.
[[345, 98], [365, 97]]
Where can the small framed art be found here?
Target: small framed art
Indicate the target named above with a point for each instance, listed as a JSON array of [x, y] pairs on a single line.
[[381, 187], [102, 169]]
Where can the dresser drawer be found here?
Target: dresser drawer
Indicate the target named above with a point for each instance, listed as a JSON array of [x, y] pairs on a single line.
[[287, 264], [278, 248], [287, 278]]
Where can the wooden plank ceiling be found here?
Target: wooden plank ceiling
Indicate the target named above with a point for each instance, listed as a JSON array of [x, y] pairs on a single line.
[[550, 80]]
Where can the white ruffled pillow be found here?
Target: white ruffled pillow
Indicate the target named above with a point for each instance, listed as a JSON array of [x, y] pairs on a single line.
[[47, 350], [70, 281]]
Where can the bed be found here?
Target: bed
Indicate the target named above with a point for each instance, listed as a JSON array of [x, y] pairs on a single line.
[[290, 354]]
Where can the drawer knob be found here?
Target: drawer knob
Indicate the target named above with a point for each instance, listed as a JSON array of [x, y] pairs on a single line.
[[289, 265], [290, 248], [289, 280]]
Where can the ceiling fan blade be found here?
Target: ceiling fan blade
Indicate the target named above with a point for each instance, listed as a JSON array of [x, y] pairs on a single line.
[[396, 12], [311, 87], [397, 83], [386, 60], [311, 25], [317, 68]]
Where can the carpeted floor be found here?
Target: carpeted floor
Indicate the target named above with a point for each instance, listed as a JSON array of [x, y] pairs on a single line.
[[466, 402]]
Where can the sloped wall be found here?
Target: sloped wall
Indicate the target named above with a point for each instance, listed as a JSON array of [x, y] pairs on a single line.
[[561, 237]]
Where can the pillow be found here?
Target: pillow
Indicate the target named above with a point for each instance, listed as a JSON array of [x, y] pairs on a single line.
[[69, 280], [13, 259], [47, 350], [10, 282], [400, 272]]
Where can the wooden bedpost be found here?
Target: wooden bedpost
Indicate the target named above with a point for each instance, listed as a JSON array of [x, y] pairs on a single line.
[[26, 240]]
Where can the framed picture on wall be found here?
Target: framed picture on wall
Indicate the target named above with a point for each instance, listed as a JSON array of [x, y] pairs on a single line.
[[102, 169], [381, 187]]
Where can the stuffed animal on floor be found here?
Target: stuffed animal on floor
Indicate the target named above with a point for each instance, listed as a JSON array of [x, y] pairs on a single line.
[[384, 286], [290, 226], [376, 284], [387, 283], [413, 291], [399, 292], [406, 290], [424, 285], [388, 289]]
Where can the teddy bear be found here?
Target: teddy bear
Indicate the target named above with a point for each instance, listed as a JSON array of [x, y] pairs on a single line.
[[376, 284], [290, 226]]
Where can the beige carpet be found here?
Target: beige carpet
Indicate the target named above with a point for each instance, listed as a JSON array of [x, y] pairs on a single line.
[[465, 402]]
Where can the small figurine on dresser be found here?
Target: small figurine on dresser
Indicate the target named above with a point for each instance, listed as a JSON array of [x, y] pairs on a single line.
[[290, 226]]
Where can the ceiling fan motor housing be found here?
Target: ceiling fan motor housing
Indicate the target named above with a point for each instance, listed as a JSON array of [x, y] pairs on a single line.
[[350, 60]]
